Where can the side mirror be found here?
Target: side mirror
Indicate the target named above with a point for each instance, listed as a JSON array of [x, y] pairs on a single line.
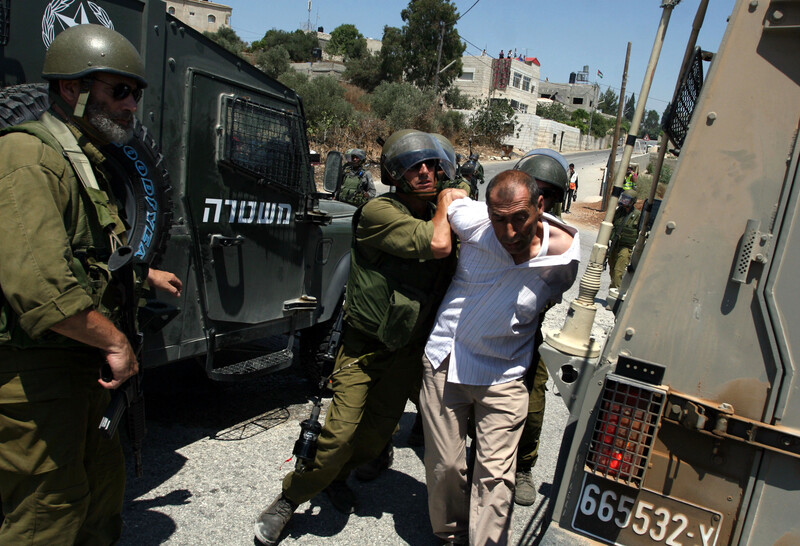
[[333, 172]]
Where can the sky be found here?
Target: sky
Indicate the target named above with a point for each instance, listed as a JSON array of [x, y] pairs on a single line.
[[564, 35]]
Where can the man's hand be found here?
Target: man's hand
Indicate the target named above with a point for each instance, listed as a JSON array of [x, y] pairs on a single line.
[[123, 364], [164, 280], [441, 244], [448, 195]]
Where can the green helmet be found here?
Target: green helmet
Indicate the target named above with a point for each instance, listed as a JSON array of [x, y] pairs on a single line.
[[547, 166], [408, 147], [447, 146], [82, 50], [628, 198]]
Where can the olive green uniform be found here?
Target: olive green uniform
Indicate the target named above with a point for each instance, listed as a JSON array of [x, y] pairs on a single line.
[[623, 239], [60, 481], [393, 291]]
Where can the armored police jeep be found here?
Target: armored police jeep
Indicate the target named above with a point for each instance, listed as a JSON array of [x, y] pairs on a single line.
[[262, 255], [684, 427]]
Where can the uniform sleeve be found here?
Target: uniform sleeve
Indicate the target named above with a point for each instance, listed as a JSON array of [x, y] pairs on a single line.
[[386, 228], [35, 276], [370, 184]]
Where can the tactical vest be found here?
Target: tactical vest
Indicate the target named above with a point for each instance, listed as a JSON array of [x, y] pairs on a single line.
[[88, 264], [393, 300], [626, 229], [353, 189], [629, 183]]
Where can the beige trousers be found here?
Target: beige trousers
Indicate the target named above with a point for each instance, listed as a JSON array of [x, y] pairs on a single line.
[[481, 514]]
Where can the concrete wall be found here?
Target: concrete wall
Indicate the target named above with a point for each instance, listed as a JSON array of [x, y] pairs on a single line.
[[200, 15], [572, 95]]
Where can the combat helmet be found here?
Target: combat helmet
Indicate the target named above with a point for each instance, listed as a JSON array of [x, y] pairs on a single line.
[[628, 198], [547, 166], [352, 153], [406, 148], [82, 50]]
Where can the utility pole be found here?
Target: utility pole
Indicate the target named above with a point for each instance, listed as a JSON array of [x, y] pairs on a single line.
[[591, 112], [438, 57], [612, 159]]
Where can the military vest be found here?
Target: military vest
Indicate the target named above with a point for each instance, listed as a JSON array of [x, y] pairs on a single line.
[[393, 300], [87, 264], [354, 188], [626, 229]]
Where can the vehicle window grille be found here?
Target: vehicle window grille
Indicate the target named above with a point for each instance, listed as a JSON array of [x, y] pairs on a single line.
[[5, 15], [676, 122], [627, 419], [267, 142]]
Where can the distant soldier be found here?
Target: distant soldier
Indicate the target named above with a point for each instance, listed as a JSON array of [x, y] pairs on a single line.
[[630, 180], [357, 186], [623, 236]]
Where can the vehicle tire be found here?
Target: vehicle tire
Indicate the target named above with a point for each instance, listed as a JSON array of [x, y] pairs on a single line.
[[314, 345], [139, 180]]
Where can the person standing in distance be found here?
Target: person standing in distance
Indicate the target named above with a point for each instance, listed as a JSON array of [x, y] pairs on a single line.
[[357, 186], [399, 271], [623, 236], [60, 481], [572, 189]]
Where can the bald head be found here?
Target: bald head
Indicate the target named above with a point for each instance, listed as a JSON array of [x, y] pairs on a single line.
[[503, 186]]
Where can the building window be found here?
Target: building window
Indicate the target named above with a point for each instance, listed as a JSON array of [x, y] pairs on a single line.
[[191, 13], [467, 76], [517, 80], [171, 10], [526, 83], [554, 138], [519, 107], [211, 19], [577, 100]]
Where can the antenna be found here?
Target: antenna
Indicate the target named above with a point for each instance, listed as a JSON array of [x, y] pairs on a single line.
[[308, 24]]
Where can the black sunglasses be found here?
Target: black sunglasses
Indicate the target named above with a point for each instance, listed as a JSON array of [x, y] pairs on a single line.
[[120, 91], [429, 163]]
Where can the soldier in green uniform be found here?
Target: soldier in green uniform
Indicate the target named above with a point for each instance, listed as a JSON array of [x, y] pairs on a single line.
[[623, 236], [60, 481], [357, 185], [399, 271], [549, 169]]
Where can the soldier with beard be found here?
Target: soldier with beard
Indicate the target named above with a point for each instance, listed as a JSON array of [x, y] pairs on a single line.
[[399, 271], [60, 481]]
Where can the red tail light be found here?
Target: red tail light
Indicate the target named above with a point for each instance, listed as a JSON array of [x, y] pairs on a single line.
[[628, 416]]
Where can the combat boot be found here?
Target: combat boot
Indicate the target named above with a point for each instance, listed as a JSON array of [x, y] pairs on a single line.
[[525, 492], [342, 497], [273, 519], [371, 470]]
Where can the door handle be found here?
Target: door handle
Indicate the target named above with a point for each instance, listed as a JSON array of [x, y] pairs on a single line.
[[219, 240]]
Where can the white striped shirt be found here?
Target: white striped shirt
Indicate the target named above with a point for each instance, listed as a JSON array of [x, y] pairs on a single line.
[[488, 318]]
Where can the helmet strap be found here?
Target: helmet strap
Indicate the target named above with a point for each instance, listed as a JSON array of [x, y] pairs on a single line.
[[83, 98]]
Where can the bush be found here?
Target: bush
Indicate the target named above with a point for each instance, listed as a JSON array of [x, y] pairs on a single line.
[[327, 112], [493, 121], [404, 106], [273, 61], [449, 123]]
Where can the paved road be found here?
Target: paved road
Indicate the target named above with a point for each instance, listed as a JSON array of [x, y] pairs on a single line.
[[215, 455]]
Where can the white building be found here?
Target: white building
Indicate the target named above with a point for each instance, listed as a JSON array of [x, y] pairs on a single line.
[[201, 15], [512, 79]]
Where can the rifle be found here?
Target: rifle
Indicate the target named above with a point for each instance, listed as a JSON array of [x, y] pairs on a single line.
[[129, 395]]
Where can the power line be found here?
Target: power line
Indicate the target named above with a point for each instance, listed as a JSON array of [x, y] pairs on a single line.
[[466, 12]]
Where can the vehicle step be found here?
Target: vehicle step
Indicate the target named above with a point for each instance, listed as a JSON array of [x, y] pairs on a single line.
[[254, 367]]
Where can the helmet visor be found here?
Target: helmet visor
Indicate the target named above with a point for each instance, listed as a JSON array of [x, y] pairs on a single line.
[[412, 150]]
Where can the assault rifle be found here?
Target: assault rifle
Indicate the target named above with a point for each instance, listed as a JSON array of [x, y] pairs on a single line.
[[129, 395]]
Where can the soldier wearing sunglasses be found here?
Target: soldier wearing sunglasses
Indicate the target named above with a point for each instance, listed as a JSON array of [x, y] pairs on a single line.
[[60, 481]]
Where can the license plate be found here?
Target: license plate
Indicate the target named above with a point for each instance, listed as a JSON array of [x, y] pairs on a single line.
[[619, 514]]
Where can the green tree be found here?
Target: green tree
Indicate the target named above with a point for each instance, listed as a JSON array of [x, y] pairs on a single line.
[[323, 101], [651, 125], [227, 38], [273, 61], [403, 105], [348, 42], [392, 54], [454, 98], [364, 72], [424, 22], [608, 103], [629, 108], [493, 121], [554, 111], [298, 43]]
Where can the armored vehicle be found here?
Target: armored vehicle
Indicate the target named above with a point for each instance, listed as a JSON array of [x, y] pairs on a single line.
[[262, 254], [684, 426]]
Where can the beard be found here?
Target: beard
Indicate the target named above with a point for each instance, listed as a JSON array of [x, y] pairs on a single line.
[[111, 127]]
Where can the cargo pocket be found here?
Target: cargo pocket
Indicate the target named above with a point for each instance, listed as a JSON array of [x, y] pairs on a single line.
[[398, 323], [37, 425]]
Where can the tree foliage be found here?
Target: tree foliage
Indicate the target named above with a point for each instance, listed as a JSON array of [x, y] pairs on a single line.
[[323, 101], [348, 42], [298, 43], [629, 108], [227, 38], [364, 72], [609, 102], [403, 105], [370, 70], [493, 121], [273, 61], [554, 111], [651, 125], [424, 21]]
